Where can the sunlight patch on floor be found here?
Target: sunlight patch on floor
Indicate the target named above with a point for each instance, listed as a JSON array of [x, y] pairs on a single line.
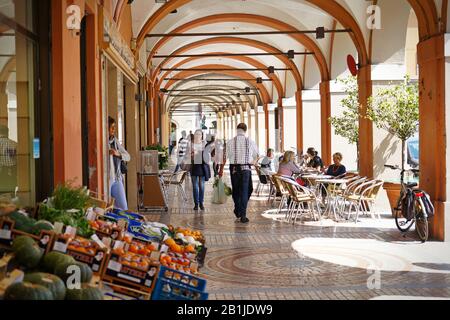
[[430, 257]]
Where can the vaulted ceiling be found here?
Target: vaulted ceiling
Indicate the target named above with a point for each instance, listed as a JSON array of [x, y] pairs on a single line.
[[326, 59]]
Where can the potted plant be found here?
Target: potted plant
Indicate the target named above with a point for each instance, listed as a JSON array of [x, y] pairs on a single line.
[[347, 124], [163, 157], [396, 110]]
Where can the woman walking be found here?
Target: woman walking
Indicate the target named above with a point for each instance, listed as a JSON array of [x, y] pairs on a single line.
[[117, 154], [200, 155]]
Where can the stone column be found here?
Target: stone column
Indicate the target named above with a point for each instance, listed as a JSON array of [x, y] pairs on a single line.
[[299, 102], [434, 75], [365, 125], [325, 114]]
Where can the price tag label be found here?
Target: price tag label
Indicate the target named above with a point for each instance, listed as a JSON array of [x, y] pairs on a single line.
[[98, 241], [5, 234], [155, 255], [164, 248], [60, 246], [115, 266]]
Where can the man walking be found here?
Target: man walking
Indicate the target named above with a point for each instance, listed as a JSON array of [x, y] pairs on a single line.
[[181, 152], [242, 153]]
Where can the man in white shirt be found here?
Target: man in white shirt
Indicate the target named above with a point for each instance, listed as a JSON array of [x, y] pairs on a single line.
[[242, 152]]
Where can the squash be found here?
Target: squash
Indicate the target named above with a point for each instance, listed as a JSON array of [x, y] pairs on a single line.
[[27, 291], [50, 281], [86, 292], [53, 259], [28, 255], [21, 240], [42, 225], [62, 271]]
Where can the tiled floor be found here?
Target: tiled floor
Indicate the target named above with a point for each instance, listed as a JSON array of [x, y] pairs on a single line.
[[270, 259]]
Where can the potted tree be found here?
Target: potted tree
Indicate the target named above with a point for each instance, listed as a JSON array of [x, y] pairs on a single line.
[[347, 124], [396, 110]]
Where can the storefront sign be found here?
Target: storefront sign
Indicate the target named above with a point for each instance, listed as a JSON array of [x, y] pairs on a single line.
[[111, 35]]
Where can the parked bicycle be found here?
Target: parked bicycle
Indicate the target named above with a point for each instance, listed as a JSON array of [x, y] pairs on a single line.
[[413, 206]]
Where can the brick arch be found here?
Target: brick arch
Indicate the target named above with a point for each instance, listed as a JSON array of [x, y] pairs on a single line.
[[253, 19], [427, 17], [238, 74], [253, 62], [223, 99], [227, 89], [248, 42]]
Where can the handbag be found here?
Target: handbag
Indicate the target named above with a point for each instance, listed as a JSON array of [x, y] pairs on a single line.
[[123, 167]]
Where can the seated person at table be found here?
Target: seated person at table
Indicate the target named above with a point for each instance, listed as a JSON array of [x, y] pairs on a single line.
[[337, 168], [314, 161], [287, 166], [267, 167]]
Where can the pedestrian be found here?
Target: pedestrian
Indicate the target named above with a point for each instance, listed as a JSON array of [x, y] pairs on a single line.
[[117, 154], [200, 157], [242, 152], [181, 152], [8, 161], [172, 141]]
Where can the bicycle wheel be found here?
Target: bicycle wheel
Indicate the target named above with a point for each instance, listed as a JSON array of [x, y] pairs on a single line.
[[421, 222], [401, 222]]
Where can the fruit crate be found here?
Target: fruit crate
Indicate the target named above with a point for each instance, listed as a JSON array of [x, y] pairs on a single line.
[[8, 233], [95, 257], [175, 285], [135, 279]]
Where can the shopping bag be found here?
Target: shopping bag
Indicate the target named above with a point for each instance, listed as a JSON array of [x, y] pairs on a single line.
[[219, 195]]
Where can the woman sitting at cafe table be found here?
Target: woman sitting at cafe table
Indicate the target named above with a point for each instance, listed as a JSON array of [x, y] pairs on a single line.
[[337, 168], [287, 166]]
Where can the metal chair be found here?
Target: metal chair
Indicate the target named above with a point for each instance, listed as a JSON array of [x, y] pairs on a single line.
[[303, 201], [262, 180], [359, 195], [175, 179], [280, 189]]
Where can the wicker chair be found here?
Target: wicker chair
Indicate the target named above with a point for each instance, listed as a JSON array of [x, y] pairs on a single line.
[[175, 179], [303, 201]]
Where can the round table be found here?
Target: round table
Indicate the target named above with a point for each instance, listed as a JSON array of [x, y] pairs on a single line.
[[332, 194]]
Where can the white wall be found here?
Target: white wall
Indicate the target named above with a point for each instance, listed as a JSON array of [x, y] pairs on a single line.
[[311, 120]]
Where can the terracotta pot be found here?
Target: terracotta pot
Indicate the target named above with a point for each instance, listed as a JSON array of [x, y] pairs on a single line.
[[393, 192]]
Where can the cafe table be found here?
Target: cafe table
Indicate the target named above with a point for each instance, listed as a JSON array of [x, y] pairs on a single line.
[[332, 186]]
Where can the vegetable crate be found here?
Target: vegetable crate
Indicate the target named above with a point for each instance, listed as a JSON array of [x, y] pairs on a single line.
[[137, 279], [8, 233], [82, 250], [176, 285]]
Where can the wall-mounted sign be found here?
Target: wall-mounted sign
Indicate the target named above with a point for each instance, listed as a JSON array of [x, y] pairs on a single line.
[[36, 148], [112, 36]]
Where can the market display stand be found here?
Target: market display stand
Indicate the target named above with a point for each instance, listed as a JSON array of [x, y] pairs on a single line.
[[151, 194]]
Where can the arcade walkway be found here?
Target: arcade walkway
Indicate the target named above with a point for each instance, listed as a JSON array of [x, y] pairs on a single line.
[[269, 259]]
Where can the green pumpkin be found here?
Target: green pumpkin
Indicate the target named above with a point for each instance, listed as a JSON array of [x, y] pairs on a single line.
[[27, 291], [85, 293], [28, 255], [42, 225], [62, 271], [21, 240], [50, 281], [53, 259]]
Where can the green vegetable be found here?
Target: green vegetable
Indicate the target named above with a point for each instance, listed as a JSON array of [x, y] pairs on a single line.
[[28, 255], [85, 293], [27, 291], [62, 270], [53, 259], [42, 225], [22, 240], [67, 197], [50, 281]]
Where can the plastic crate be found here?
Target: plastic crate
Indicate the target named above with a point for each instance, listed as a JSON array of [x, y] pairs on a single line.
[[176, 285]]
